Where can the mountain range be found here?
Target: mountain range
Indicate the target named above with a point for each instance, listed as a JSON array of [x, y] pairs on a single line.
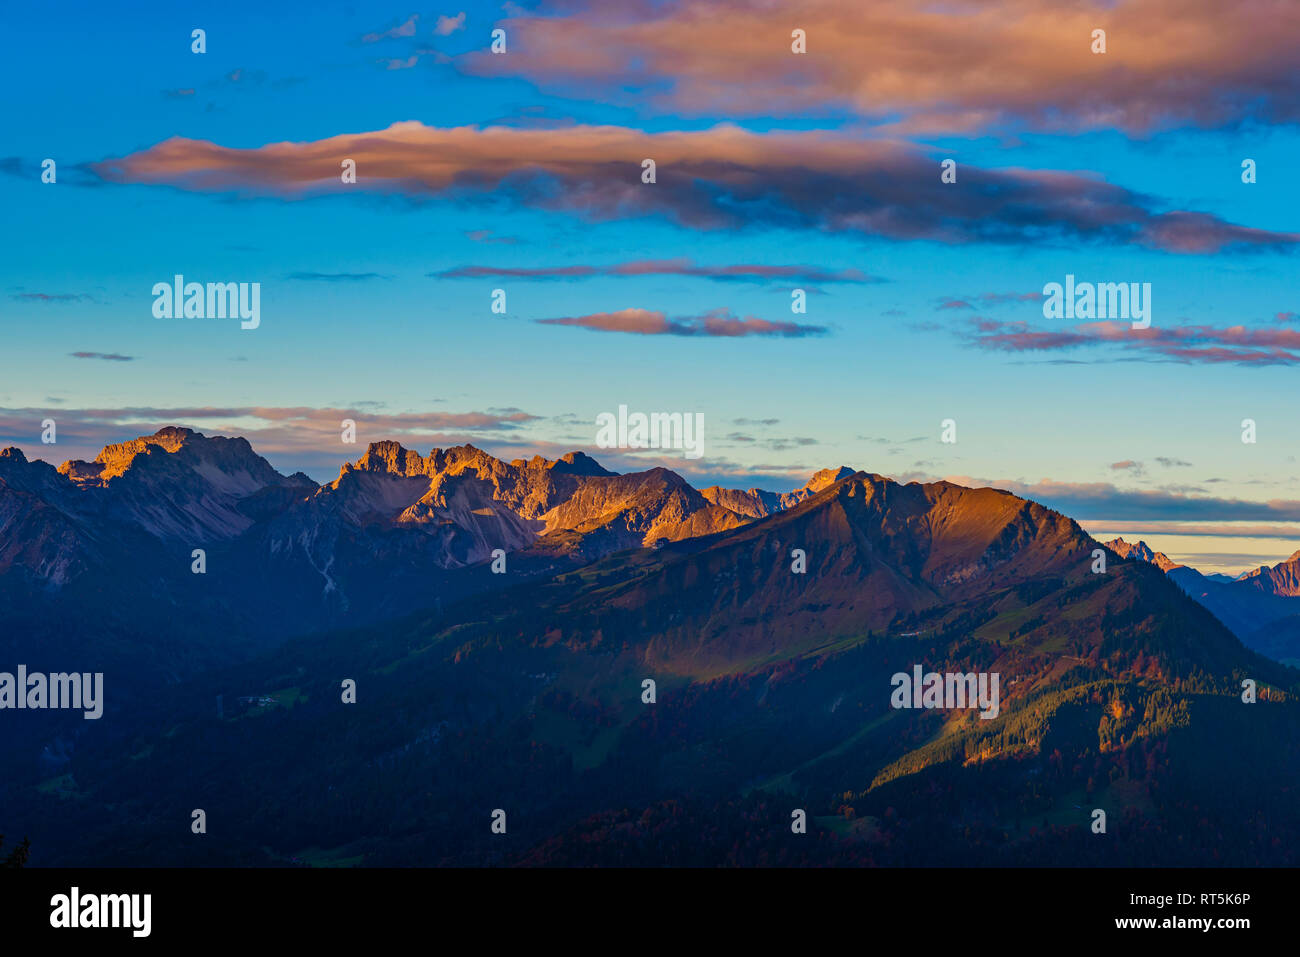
[[382, 538], [768, 625], [397, 531], [1261, 606]]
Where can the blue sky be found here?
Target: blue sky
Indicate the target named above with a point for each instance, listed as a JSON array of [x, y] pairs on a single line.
[[1130, 436]]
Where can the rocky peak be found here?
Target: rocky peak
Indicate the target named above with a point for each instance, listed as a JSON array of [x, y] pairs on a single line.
[[153, 458], [18, 471], [116, 459], [389, 456], [1141, 551], [466, 457], [578, 463], [82, 473], [828, 477]]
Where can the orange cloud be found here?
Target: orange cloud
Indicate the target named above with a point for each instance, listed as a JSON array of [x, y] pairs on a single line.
[[719, 178], [958, 66]]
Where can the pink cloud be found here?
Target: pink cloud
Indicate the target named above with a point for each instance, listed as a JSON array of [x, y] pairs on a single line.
[[718, 323], [960, 67], [1242, 345], [446, 26], [718, 178], [744, 272], [405, 29]]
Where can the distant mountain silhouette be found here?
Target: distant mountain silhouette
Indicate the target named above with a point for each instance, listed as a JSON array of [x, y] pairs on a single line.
[[1141, 552], [1257, 606]]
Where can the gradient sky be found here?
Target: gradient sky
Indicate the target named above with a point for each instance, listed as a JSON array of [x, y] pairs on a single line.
[[819, 171]]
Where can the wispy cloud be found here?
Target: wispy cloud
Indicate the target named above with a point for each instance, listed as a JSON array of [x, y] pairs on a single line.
[[987, 299], [335, 276], [110, 356], [1240, 345], [52, 297], [774, 444], [446, 26], [755, 273], [1104, 501], [392, 63], [718, 323], [488, 237], [399, 63], [403, 29], [1206, 529]]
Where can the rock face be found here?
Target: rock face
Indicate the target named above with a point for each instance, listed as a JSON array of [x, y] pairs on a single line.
[[929, 562], [1282, 579], [756, 503], [172, 489], [392, 511], [1140, 551], [398, 531], [454, 507], [375, 541]]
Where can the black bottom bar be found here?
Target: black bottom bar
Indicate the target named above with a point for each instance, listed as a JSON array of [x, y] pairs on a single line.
[[262, 907]]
